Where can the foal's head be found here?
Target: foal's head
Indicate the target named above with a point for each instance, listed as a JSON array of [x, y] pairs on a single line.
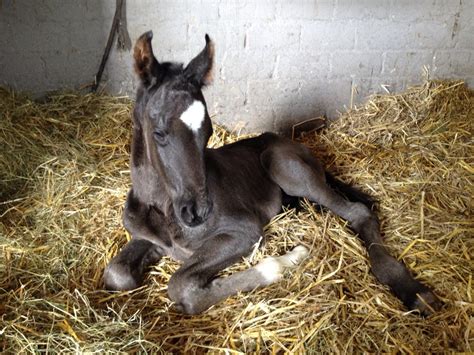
[[172, 113]]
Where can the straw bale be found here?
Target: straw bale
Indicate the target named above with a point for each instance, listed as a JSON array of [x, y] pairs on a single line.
[[64, 176]]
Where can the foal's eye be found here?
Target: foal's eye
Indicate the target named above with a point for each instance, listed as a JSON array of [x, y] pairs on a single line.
[[160, 136]]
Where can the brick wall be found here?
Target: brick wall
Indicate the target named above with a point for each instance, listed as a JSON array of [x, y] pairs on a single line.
[[277, 62]]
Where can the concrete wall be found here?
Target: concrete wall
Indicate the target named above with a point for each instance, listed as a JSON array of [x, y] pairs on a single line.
[[277, 62]]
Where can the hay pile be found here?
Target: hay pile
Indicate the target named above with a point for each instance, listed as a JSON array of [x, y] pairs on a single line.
[[64, 177]]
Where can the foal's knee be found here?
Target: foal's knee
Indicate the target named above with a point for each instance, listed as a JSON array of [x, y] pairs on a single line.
[[187, 295], [118, 277]]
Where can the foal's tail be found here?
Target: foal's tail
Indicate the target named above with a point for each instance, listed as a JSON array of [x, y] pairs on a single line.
[[350, 192]]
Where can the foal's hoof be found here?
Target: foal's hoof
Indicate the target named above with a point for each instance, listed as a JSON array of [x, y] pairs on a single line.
[[426, 303]]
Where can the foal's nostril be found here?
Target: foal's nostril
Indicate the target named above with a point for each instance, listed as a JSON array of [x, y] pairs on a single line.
[[193, 214], [187, 211], [189, 215]]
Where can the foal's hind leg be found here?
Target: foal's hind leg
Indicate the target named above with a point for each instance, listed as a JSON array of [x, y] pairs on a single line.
[[298, 173]]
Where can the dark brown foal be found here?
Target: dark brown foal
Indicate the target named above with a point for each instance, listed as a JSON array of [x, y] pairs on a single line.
[[207, 207]]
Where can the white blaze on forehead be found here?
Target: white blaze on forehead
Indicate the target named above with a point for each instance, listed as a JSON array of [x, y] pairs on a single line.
[[193, 117]]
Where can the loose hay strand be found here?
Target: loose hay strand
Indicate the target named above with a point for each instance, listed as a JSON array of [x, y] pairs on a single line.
[[64, 178]]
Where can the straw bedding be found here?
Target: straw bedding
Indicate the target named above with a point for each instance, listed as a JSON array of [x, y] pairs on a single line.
[[64, 177]]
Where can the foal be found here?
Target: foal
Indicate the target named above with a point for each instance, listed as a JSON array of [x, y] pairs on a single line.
[[207, 207]]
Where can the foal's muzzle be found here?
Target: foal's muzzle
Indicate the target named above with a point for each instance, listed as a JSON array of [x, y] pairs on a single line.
[[193, 213]]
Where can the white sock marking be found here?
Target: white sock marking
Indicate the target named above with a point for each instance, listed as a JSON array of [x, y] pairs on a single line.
[[272, 268], [193, 117]]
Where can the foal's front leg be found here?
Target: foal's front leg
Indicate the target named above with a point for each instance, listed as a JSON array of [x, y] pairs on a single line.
[[194, 287], [127, 269]]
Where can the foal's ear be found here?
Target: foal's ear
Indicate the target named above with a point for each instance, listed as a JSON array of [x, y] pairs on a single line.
[[146, 65], [199, 70]]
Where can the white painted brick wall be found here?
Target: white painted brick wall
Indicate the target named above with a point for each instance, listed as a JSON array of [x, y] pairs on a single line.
[[277, 61]]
